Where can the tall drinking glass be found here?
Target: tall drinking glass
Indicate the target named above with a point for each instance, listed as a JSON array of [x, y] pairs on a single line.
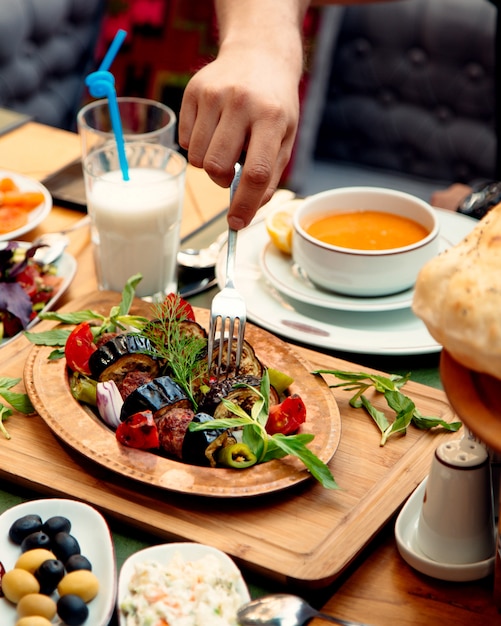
[[136, 223], [142, 120]]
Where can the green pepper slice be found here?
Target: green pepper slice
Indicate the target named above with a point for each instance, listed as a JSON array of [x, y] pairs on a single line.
[[236, 456]]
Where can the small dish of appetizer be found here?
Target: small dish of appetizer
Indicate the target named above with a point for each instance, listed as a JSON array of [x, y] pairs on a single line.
[[24, 203], [28, 288], [53, 550], [190, 583]]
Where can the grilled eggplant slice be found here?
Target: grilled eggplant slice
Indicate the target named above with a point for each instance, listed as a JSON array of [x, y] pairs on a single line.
[[196, 443], [250, 365], [155, 396], [242, 396], [120, 355]]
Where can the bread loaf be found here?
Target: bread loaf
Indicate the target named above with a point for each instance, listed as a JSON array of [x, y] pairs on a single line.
[[458, 297]]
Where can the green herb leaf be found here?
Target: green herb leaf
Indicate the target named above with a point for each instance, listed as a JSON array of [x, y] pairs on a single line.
[[4, 414], [128, 294], [378, 416], [75, 317], [56, 355], [19, 401], [7, 383], [404, 408], [427, 422], [55, 337], [291, 444]]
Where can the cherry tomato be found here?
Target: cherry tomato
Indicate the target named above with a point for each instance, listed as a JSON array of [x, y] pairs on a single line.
[[79, 346], [28, 278], [286, 417], [139, 431], [183, 309]]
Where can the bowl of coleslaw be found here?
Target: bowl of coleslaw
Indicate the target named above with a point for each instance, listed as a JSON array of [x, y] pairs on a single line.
[[184, 584]]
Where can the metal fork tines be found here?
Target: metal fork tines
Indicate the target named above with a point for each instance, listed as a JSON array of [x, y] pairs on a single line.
[[228, 313]]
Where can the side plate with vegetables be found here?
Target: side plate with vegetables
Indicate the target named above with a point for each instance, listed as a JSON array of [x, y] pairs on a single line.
[[48, 386]]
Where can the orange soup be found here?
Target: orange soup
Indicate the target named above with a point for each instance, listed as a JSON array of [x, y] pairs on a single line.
[[367, 230]]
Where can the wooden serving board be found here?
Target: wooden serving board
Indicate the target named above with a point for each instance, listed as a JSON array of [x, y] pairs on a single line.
[[304, 535]]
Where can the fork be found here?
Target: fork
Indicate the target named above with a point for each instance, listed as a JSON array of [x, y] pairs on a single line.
[[228, 310]]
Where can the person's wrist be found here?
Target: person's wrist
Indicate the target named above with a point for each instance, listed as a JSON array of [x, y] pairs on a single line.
[[481, 200]]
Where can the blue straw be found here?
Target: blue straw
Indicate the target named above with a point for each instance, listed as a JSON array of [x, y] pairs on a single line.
[[101, 84], [109, 57]]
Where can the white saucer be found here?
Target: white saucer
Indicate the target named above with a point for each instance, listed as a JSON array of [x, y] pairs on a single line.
[[281, 271], [397, 332], [405, 535], [286, 276]]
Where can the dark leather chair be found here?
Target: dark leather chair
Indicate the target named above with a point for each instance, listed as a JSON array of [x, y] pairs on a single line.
[[46, 49], [407, 87]]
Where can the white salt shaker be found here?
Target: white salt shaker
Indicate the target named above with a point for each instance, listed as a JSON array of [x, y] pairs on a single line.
[[456, 524]]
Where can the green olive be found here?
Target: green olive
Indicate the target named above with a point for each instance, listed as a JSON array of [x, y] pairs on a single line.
[[18, 582], [81, 583], [36, 604], [32, 559]]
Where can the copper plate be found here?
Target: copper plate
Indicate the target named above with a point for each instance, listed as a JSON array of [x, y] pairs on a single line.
[[77, 426]]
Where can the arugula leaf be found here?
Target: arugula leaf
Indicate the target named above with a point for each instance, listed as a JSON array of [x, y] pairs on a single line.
[[405, 410]]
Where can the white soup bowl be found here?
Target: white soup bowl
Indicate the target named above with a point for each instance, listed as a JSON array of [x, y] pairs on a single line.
[[363, 273]]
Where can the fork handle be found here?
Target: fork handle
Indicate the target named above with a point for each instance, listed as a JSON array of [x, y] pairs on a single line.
[[230, 257]]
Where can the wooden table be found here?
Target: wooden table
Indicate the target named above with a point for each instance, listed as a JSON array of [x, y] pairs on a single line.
[[378, 588]]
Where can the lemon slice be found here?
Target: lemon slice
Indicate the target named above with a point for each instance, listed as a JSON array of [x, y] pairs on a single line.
[[279, 225]]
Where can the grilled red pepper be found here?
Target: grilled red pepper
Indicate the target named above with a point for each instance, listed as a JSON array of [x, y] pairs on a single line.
[[139, 431], [286, 417], [78, 348]]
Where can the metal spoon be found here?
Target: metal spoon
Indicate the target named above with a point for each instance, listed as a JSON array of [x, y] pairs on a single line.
[[206, 258], [281, 609], [54, 244], [203, 258]]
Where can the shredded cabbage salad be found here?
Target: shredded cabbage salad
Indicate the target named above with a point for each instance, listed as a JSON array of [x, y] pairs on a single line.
[[182, 593]]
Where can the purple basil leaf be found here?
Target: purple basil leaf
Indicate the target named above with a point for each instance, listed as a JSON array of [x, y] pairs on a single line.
[[15, 300]]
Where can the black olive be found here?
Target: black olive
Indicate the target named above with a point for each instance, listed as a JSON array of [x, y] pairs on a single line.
[[64, 545], [56, 524], [24, 526], [36, 540], [72, 609], [49, 574], [78, 561]]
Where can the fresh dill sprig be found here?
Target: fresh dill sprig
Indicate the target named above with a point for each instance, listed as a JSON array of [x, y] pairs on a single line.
[[180, 350]]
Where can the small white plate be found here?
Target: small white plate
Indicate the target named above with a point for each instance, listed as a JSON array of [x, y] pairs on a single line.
[[38, 214], [92, 533], [280, 271], [163, 554], [66, 267], [405, 535]]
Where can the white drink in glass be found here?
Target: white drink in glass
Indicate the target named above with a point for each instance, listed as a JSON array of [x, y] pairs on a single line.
[[136, 229]]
